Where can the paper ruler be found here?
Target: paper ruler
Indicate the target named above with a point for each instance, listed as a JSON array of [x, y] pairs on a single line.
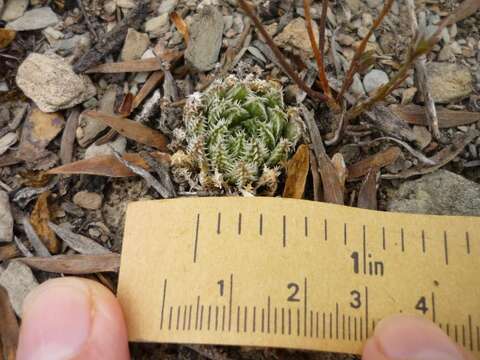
[[293, 274]]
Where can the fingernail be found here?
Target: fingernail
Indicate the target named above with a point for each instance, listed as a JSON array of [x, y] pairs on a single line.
[[57, 320], [413, 338]]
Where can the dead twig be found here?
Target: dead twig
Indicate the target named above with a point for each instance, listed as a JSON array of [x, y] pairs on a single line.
[[68, 137], [87, 19], [278, 54]]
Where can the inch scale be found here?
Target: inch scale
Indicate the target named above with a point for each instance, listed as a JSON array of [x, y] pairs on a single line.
[[293, 274]]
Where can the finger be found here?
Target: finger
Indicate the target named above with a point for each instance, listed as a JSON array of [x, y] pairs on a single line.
[[72, 318], [408, 337]]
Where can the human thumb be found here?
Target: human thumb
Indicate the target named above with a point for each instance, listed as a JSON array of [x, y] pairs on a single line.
[[405, 337], [72, 318]]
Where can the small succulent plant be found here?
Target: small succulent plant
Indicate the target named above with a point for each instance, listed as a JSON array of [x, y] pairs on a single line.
[[238, 135]]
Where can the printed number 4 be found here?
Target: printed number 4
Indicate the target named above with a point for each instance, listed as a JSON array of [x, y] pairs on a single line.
[[422, 305]]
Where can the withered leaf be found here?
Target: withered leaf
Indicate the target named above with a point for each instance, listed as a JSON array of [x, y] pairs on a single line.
[[339, 163], [151, 64], [441, 158], [108, 165], [181, 26], [297, 171], [133, 130], [75, 264], [9, 330], [151, 83], [415, 114], [6, 37], [367, 196], [379, 160], [9, 251], [79, 243], [39, 220]]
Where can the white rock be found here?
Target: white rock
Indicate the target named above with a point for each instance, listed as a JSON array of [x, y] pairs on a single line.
[[357, 86], [52, 35], [88, 200], [167, 6], [6, 141], [295, 35], [1, 6], [51, 82], [35, 19], [18, 280], [13, 9], [6, 219], [135, 45], [158, 25], [81, 42], [126, 4], [449, 82], [119, 145], [374, 79]]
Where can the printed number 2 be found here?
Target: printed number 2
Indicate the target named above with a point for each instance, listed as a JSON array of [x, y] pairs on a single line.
[[356, 299], [295, 288], [422, 305]]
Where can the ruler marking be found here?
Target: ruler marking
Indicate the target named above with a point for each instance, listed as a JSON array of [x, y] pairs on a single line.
[[360, 326], [219, 221], [163, 302], [433, 307], [238, 318], [384, 240], [402, 239], [216, 317], [448, 329], [254, 318], [209, 316], [336, 321], [305, 307], [239, 223], [230, 302], [456, 333], [195, 246], [345, 233], [324, 325], [245, 319], [306, 226], [470, 332], [364, 250], [197, 312], [263, 320], [268, 316], [178, 317], [366, 311], [423, 241], [349, 328], [311, 323], [170, 318], [355, 328], [260, 230], [467, 239], [343, 326], [284, 237], [275, 321], [283, 321], [463, 335], [223, 317], [316, 325], [373, 324], [325, 225], [440, 325], [201, 317], [189, 317], [298, 321], [478, 338], [289, 321], [184, 317], [445, 246]]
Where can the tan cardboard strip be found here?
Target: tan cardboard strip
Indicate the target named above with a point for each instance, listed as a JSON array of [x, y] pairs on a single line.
[[293, 274]]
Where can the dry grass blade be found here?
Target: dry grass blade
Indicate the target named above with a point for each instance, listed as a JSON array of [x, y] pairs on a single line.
[[37, 244], [68, 137], [75, 264], [133, 130], [442, 158], [416, 153], [415, 115], [379, 160], [9, 329], [278, 54], [315, 176], [39, 220], [339, 163], [78, 242], [108, 165], [332, 188], [319, 50], [297, 171], [152, 82], [347, 82], [6, 37], [367, 196], [9, 251], [181, 26], [151, 64]]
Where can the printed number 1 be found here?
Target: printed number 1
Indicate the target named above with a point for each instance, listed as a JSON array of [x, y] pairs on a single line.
[[221, 284]]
